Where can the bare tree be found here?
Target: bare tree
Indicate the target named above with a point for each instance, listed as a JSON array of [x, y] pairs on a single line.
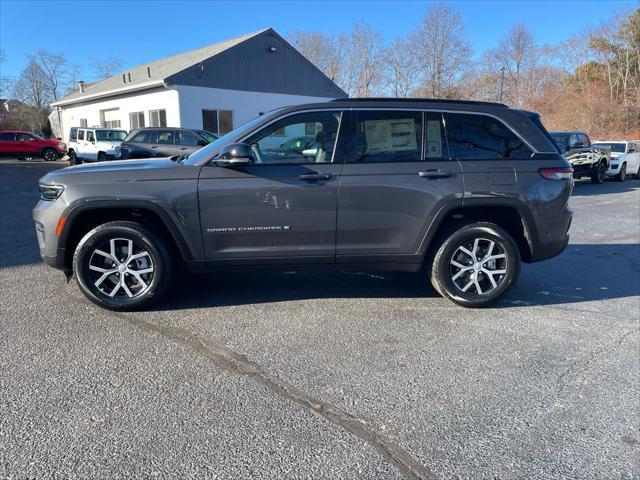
[[366, 56], [5, 83], [33, 89], [400, 68], [516, 55], [54, 68], [351, 60], [442, 49], [320, 49], [106, 67]]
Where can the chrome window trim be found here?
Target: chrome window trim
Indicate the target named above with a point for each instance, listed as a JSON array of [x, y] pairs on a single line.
[[351, 109]]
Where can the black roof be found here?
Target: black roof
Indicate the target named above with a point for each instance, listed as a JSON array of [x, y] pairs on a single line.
[[420, 100]]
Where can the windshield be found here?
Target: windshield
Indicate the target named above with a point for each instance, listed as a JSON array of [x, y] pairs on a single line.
[[615, 147], [206, 153], [562, 140], [111, 135], [209, 137]]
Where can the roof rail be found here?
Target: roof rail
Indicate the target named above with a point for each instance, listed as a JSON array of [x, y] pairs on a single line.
[[421, 100]]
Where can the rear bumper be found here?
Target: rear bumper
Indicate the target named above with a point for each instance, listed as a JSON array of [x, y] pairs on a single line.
[[546, 250]]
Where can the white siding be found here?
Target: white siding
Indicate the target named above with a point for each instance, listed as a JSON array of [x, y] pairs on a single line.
[[166, 99], [245, 105]]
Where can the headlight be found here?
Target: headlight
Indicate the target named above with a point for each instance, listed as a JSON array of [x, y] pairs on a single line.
[[50, 192], [62, 146]]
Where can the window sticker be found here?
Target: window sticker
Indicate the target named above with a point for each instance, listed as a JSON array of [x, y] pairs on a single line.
[[391, 135], [434, 139]]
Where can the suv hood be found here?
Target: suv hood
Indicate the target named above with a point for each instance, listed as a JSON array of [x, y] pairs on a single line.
[[121, 171], [108, 144]]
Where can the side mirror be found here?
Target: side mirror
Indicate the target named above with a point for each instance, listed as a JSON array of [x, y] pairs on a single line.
[[235, 154]]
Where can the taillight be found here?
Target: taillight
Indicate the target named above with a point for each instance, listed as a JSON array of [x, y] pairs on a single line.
[[563, 173]]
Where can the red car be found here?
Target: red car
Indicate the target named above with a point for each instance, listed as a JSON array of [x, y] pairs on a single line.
[[28, 145]]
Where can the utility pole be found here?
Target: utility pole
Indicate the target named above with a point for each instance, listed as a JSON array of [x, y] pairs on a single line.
[[501, 84]]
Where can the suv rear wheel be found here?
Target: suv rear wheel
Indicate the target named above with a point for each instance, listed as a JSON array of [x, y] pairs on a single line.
[[475, 265], [122, 266], [622, 174]]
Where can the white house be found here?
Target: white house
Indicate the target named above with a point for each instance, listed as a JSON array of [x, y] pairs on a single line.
[[215, 88]]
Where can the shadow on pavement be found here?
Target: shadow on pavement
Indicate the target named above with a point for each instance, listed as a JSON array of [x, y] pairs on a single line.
[[586, 188], [582, 273]]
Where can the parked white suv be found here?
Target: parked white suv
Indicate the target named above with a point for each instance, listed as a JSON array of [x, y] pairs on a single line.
[[625, 158], [94, 144]]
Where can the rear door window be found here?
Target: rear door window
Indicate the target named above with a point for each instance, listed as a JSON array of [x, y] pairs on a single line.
[[7, 137], [480, 137], [385, 136], [165, 137], [185, 137]]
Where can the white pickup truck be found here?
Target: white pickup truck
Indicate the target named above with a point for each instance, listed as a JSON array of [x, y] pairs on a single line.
[[94, 144]]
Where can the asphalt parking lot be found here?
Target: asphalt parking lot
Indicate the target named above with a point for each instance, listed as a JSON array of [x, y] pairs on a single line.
[[318, 375]]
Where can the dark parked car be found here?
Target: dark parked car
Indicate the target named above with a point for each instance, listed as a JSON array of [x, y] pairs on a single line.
[[462, 191], [587, 160], [163, 142], [27, 145]]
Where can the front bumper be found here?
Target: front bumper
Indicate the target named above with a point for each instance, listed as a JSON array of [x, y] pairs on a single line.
[[614, 169], [46, 215]]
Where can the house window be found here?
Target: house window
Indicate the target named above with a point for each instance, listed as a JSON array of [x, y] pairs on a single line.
[[217, 121], [158, 118], [83, 122], [136, 120], [110, 118]]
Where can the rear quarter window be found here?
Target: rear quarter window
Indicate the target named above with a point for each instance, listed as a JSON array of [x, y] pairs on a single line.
[[480, 137]]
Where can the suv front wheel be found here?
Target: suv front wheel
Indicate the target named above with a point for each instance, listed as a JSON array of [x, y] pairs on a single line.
[[475, 265], [122, 266]]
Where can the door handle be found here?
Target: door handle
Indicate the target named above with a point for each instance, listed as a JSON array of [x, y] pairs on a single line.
[[182, 148], [315, 176], [435, 174], [153, 146]]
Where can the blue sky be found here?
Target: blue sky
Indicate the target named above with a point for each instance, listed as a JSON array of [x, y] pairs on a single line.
[[141, 31]]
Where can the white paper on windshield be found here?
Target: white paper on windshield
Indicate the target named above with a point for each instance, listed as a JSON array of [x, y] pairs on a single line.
[[391, 135]]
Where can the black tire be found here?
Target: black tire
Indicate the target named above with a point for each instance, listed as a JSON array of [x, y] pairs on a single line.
[[134, 296], [102, 157], [73, 158], [49, 155], [443, 274], [598, 174], [622, 175]]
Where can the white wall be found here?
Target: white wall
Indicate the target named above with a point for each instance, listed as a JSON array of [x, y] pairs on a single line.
[[245, 105], [135, 102]]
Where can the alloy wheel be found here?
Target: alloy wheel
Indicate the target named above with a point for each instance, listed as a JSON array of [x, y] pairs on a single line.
[[120, 268], [478, 265], [50, 156]]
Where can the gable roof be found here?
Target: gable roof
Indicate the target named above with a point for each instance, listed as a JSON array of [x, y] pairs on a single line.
[[154, 74]]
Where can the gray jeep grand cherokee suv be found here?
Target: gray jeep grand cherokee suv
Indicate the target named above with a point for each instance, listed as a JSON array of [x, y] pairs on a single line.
[[462, 191]]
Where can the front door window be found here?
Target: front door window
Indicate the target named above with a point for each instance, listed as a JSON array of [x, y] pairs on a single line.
[[305, 138]]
